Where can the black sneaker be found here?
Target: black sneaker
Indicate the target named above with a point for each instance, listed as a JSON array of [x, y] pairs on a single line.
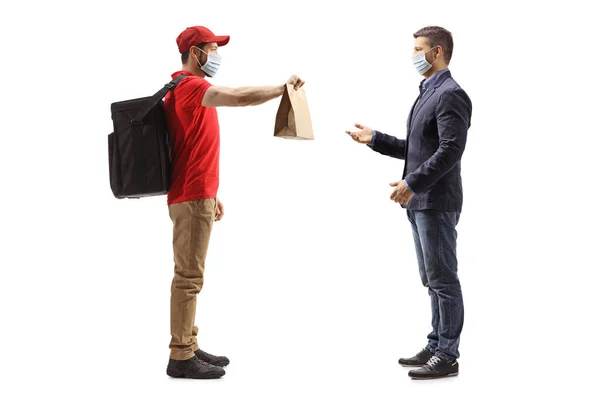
[[417, 361], [193, 368], [219, 361], [436, 367]]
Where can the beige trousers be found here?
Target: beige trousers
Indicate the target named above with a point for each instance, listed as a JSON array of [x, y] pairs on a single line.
[[192, 224]]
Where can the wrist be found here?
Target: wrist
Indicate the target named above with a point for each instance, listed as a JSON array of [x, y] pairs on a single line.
[[371, 142], [406, 179]]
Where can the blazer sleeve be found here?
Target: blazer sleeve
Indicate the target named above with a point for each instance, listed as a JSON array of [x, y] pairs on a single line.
[[453, 115], [388, 145]]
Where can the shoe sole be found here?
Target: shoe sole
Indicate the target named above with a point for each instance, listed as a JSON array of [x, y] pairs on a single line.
[[412, 365], [433, 377], [206, 376]]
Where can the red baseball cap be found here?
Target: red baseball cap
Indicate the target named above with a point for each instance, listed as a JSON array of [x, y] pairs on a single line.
[[195, 35]]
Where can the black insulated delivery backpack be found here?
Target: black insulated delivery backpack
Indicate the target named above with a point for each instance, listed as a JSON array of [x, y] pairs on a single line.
[[139, 151]]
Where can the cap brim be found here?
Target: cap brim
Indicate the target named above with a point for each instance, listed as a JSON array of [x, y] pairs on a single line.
[[221, 40]]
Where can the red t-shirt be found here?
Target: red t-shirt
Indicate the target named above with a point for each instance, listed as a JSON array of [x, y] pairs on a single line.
[[195, 139]]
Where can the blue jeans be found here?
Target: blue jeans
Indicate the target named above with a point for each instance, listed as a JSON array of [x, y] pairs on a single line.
[[435, 241]]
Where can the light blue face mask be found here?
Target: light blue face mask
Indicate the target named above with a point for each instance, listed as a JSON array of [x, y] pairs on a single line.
[[420, 62], [211, 67]]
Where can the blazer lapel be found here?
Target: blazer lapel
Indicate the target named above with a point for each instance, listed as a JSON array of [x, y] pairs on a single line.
[[410, 114], [422, 101], [412, 110], [417, 107]]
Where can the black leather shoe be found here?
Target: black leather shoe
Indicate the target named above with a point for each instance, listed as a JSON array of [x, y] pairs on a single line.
[[416, 361], [193, 368], [219, 361], [436, 368]]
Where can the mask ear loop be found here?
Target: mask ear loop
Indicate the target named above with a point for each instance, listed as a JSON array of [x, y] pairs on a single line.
[[207, 55], [198, 58], [207, 60], [430, 50]]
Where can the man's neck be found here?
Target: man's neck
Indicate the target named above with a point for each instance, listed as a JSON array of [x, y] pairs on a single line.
[[430, 73], [434, 71], [194, 70]]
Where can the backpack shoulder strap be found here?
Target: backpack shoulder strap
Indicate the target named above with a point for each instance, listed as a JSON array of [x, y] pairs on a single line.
[[156, 98]]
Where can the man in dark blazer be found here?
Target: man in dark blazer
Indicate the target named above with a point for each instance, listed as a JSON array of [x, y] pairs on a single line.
[[431, 191]]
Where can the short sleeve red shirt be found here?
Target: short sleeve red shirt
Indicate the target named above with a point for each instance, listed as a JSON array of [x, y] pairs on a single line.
[[195, 139]]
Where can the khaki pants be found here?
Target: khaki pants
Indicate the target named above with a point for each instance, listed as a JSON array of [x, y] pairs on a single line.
[[192, 224]]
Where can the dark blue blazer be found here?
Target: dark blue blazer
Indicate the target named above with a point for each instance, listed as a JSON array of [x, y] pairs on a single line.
[[436, 137]]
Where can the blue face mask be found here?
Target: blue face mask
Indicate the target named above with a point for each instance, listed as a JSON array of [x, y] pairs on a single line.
[[420, 62], [211, 67]]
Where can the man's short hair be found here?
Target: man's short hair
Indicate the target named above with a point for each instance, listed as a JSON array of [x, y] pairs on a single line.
[[438, 36], [186, 56]]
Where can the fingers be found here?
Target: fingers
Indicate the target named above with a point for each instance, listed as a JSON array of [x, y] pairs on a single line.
[[401, 194], [396, 196], [296, 81], [359, 126], [353, 135], [400, 198], [219, 210]]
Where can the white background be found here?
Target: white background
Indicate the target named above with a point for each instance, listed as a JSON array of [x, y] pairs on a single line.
[[312, 287]]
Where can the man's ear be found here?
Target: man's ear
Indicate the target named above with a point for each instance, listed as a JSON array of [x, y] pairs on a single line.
[[440, 51], [198, 55]]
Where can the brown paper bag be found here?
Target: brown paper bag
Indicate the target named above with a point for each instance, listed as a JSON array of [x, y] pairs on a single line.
[[293, 118]]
